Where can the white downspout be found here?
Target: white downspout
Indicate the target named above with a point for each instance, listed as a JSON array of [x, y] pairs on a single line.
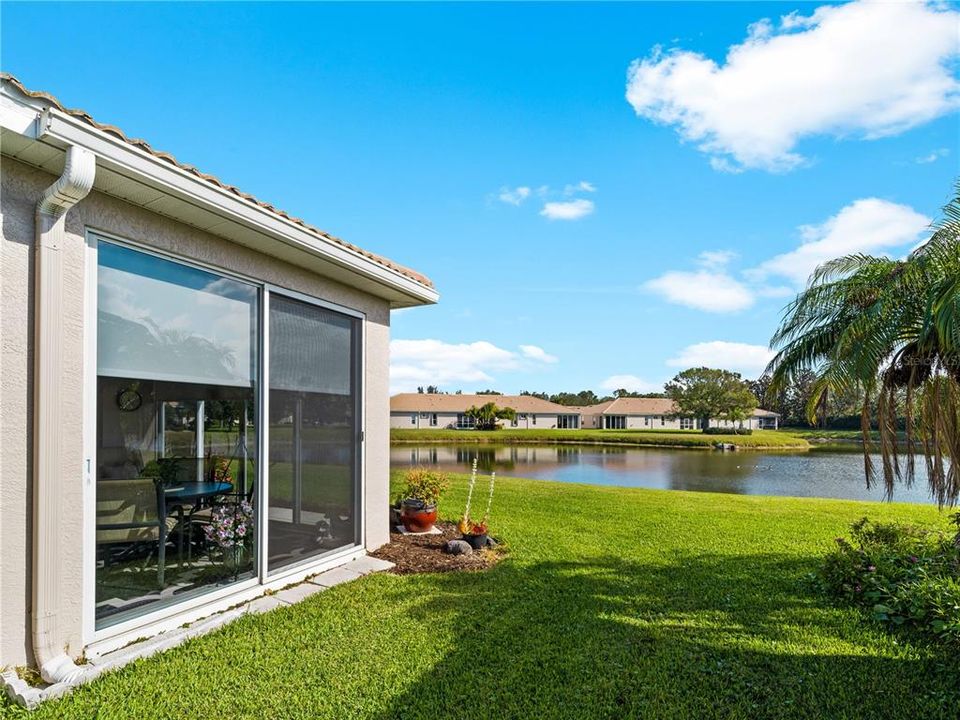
[[48, 479]]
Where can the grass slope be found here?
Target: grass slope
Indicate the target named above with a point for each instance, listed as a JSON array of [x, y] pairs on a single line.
[[760, 439], [612, 603]]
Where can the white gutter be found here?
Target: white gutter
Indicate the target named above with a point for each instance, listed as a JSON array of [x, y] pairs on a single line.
[[49, 304]]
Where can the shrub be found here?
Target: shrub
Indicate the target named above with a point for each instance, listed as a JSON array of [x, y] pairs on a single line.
[[907, 576], [424, 485], [727, 431]]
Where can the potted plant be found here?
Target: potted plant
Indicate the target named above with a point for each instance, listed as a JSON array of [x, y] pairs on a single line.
[[418, 506], [475, 531]]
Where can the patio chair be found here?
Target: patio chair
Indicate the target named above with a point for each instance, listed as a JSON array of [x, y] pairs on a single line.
[[132, 512]]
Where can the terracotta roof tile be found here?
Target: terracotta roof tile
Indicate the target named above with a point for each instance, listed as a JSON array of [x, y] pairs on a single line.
[[646, 406], [431, 402], [167, 157]]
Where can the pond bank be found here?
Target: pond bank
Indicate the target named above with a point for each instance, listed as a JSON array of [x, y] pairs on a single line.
[[759, 440]]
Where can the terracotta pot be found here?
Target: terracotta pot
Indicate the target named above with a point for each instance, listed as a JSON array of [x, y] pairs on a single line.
[[477, 542], [417, 517]]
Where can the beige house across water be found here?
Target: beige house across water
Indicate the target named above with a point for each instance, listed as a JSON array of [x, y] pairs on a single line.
[[423, 411], [659, 414], [420, 411]]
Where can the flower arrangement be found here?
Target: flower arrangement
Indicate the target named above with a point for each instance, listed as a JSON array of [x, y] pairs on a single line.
[[231, 530], [230, 525], [469, 526]]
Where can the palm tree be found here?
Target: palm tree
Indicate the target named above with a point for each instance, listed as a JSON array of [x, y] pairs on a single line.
[[890, 330]]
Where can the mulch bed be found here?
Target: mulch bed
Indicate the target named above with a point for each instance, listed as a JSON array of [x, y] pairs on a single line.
[[424, 553]]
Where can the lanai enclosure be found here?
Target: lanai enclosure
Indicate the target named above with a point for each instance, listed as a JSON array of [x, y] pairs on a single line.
[[175, 353]]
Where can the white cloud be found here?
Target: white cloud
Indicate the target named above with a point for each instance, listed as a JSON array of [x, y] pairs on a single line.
[[866, 69], [749, 360], [434, 362], [537, 353], [869, 225], [631, 383], [570, 210], [514, 196], [582, 186], [704, 290], [713, 259], [933, 156]]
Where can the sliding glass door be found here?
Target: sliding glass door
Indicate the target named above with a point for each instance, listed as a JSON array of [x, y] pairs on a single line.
[[314, 460], [177, 371], [179, 502]]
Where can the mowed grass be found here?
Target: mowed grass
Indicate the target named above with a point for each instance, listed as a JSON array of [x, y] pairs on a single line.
[[612, 603], [759, 440], [818, 435]]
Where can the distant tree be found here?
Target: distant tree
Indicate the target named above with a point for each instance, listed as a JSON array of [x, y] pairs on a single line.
[[541, 395], [420, 389], [709, 393], [486, 416], [584, 397], [433, 390], [488, 392], [624, 393]]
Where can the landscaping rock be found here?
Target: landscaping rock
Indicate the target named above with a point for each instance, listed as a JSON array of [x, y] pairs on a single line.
[[491, 542], [458, 547]]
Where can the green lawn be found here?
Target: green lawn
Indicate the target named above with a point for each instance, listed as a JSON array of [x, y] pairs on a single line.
[[817, 434], [760, 439], [612, 603]]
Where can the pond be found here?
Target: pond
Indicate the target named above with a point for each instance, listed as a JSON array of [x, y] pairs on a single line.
[[826, 474]]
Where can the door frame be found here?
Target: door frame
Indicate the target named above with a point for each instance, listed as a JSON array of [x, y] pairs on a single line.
[[99, 641]]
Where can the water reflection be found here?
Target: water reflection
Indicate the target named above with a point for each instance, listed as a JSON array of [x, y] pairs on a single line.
[[807, 474]]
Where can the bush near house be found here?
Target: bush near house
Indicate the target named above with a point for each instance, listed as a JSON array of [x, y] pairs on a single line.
[[727, 431]]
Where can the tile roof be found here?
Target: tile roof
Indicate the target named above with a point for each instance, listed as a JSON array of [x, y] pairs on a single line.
[[429, 402], [646, 406], [143, 145]]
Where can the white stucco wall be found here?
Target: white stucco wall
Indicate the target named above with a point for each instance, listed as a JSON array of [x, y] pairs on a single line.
[[21, 187], [413, 421]]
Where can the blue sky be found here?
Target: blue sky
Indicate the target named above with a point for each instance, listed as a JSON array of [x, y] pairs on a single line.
[[581, 236]]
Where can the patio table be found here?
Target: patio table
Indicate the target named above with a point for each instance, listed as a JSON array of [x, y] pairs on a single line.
[[196, 490], [192, 493]]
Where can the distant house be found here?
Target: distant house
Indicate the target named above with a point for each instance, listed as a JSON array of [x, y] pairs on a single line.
[[659, 414], [418, 411], [424, 411]]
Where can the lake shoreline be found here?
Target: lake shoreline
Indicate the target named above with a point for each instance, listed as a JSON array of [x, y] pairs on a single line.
[[763, 440], [600, 443]]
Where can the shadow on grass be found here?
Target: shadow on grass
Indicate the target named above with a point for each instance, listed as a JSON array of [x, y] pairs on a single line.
[[695, 637]]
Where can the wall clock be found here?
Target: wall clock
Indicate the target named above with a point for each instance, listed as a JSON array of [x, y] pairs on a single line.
[[129, 400]]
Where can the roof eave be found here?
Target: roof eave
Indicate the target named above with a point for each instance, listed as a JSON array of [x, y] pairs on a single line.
[[290, 241]]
